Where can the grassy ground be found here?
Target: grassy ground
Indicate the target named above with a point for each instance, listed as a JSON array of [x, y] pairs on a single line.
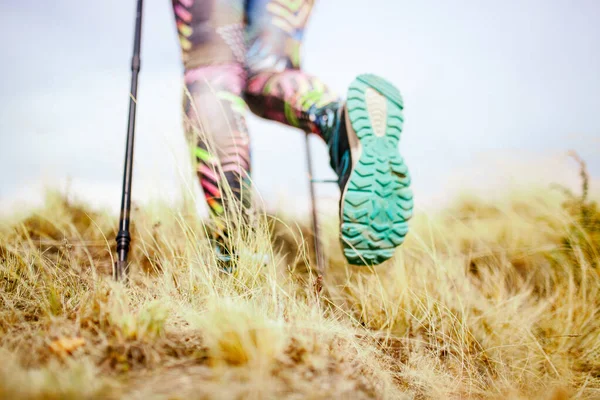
[[485, 300]]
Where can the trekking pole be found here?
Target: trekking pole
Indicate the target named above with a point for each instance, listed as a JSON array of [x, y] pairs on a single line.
[[315, 222], [123, 237]]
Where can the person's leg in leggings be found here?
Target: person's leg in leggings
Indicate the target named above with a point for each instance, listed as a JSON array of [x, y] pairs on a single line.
[[213, 50], [277, 87], [362, 134]]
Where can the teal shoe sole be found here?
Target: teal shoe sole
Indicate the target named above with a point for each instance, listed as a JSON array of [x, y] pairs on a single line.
[[377, 201]]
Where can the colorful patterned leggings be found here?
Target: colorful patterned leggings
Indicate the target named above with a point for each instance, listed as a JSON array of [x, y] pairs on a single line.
[[241, 54]]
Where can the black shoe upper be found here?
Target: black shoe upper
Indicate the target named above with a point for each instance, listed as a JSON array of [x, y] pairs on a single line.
[[332, 122]]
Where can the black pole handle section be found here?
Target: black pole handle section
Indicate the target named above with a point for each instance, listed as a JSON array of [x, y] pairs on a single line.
[[123, 237], [315, 221]]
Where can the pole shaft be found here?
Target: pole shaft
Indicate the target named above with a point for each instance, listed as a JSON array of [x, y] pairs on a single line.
[[315, 221], [123, 236]]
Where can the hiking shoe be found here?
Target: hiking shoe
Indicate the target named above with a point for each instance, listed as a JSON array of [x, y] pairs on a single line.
[[225, 259], [376, 201], [228, 260]]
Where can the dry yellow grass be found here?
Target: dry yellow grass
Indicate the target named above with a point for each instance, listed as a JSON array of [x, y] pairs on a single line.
[[484, 300]]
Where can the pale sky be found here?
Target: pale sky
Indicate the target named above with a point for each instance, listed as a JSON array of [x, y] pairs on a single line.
[[494, 91]]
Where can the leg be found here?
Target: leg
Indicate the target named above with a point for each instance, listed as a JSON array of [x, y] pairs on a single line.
[[277, 88], [211, 38], [362, 134]]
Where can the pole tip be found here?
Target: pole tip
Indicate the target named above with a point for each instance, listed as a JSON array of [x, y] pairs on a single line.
[[120, 270]]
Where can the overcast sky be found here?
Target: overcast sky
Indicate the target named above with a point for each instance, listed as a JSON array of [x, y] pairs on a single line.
[[494, 91]]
